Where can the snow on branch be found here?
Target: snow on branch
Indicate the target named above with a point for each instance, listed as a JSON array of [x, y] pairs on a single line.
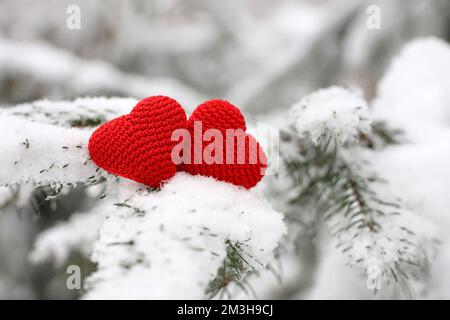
[[44, 154], [370, 225], [45, 143], [373, 228], [172, 243], [80, 113], [332, 112]]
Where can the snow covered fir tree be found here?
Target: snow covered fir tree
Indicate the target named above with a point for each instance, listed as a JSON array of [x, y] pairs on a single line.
[[355, 122]]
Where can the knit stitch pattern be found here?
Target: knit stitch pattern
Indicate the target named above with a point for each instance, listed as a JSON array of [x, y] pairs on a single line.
[[138, 146], [222, 115]]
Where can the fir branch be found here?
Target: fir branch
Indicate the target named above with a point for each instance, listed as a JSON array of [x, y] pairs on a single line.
[[182, 247], [367, 226], [83, 122], [81, 113], [232, 270]]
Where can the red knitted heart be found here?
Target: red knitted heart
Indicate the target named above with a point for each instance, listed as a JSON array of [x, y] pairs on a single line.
[[221, 115], [138, 146]]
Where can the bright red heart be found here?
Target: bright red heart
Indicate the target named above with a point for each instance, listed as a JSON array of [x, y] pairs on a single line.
[[138, 146], [221, 115]]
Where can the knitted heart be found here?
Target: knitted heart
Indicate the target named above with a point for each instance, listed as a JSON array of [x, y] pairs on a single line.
[[138, 146], [221, 115]]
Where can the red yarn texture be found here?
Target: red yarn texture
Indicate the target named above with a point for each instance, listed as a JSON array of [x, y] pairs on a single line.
[[138, 146], [221, 115]]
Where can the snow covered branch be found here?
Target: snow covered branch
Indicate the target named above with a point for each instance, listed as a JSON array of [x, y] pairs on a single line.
[[45, 143], [331, 169], [24, 144], [333, 112], [171, 243]]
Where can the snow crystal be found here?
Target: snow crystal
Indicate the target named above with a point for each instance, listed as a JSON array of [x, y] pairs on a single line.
[[333, 112], [171, 243]]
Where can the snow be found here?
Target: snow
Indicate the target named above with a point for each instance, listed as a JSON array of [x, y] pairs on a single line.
[[414, 93], [171, 243], [404, 241], [332, 112], [67, 113], [24, 142]]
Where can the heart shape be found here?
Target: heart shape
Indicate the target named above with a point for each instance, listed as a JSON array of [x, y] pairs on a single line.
[[138, 146], [223, 116]]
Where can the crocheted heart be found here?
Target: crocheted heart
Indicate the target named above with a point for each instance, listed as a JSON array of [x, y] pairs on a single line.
[[246, 168], [138, 146]]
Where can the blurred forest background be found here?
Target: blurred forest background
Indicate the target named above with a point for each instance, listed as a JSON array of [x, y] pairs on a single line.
[[261, 55]]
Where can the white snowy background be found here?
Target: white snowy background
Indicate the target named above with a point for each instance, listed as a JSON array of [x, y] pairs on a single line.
[[312, 66]]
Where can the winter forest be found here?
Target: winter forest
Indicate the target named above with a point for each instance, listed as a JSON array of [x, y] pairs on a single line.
[[350, 101]]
